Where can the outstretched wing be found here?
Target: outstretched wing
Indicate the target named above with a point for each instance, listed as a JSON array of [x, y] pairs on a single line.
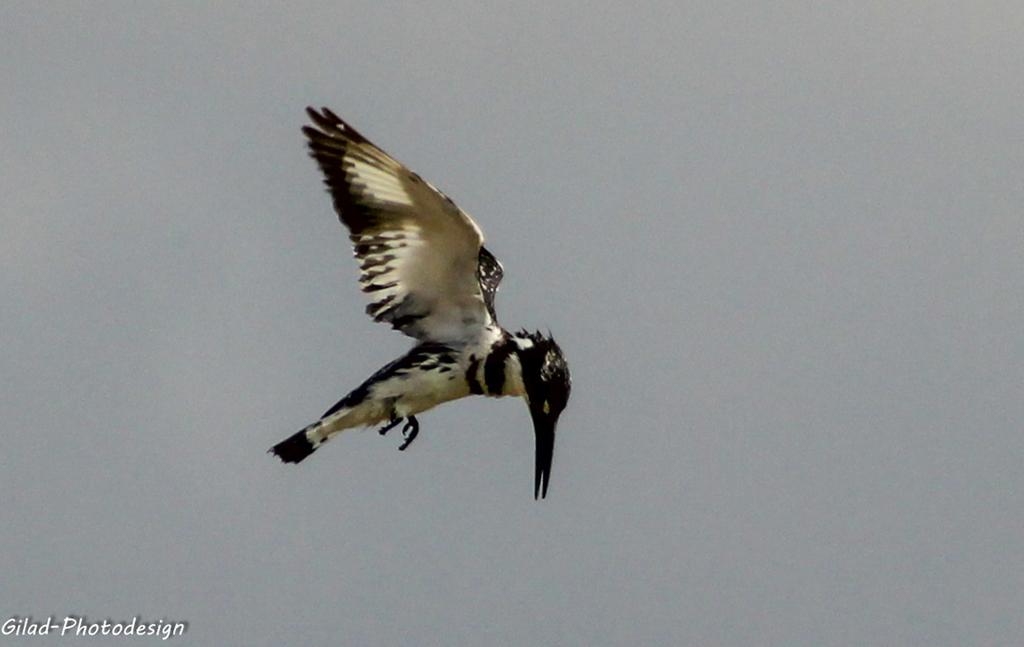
[[422, 258], [488, 274]]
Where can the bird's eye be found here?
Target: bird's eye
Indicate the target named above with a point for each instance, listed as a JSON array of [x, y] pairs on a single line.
[[547, 407]]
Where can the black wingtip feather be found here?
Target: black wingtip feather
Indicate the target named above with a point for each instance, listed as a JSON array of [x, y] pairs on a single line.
[[312, 133], [330, 115], [332, 125], [326, 120], [293, 449]]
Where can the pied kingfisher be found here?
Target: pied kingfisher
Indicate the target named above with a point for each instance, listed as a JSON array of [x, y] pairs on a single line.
[[428, 274]]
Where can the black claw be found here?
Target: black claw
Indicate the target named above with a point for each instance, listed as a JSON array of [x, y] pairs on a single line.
[[410, 430], [388, 427]]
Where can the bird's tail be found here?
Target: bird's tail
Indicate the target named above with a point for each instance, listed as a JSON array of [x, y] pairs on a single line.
[[295, 448]]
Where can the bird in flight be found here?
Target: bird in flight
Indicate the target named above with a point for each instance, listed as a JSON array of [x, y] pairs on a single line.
[[428, 275]]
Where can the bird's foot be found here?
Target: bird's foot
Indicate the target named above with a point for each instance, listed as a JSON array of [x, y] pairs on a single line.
[[411, 428], [388, 427]]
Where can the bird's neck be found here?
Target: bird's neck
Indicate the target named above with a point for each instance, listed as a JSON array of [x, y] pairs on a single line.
[[498, 371]]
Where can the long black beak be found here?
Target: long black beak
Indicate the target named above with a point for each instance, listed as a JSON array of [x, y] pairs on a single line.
[[544, 428]]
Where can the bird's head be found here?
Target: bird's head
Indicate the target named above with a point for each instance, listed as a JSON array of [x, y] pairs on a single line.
[[547, 384]]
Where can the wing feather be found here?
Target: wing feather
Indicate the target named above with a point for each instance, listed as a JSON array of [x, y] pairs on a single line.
[[422, 258]]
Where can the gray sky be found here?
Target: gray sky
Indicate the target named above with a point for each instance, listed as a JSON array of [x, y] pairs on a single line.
[[781, 246]]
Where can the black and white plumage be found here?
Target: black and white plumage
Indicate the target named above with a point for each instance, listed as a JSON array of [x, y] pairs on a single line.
[[428, 275]]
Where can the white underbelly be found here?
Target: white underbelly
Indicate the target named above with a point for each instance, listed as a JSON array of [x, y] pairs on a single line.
[[419, 392]]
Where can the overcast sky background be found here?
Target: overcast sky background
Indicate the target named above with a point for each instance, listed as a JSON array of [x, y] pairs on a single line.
[[780, 244]]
